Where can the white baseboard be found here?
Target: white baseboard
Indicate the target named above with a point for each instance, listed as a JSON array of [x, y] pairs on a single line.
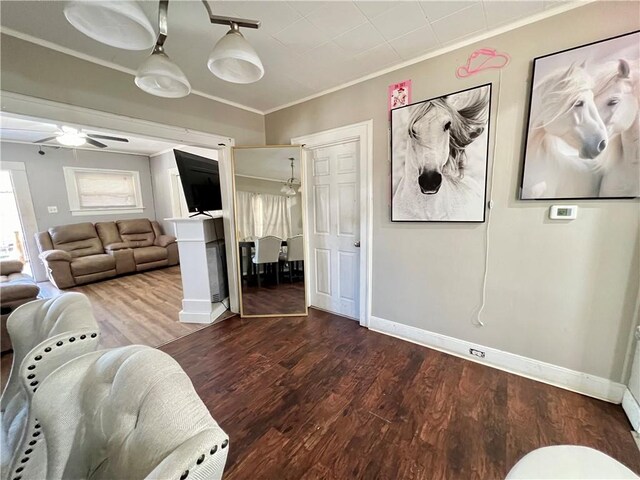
[[632, 409], [579, 382], [196, 311]]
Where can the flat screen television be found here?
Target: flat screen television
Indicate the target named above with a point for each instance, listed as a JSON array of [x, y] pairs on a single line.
[[200, 180]]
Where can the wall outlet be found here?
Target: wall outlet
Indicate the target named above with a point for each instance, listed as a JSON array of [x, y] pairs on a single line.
[[477, 353], [52, 209]]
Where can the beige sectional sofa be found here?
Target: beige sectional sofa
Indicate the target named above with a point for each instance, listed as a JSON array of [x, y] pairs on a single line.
[[83, 252]]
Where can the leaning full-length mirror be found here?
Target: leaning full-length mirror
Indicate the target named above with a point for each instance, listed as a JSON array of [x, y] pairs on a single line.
[[269, 230]]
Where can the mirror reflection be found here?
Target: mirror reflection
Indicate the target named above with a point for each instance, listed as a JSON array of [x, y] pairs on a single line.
[[269, 225]]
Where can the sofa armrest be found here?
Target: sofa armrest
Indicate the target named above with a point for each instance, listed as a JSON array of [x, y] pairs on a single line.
[[112, 247], [55, 255], [7, 267], [164, 240]]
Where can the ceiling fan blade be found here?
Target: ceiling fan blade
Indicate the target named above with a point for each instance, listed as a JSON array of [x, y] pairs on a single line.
[[95, 143], [107, 137], [45, 140]]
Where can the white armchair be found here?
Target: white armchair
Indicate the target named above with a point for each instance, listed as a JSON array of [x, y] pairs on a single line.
[[128, 412], [45, 334]]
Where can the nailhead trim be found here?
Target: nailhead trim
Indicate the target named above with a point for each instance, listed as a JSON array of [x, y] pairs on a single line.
[[94, 335], [225, 443], [38, 358], [48, 349], [213, 450], [59, 344], [31, 367], [184, 475], [33, 442], [19, 469], [72, 339], [82, 337], [200, 460], [31, 375]]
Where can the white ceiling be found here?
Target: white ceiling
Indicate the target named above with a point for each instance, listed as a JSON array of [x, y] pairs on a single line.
[[307, 47], [19, 129]]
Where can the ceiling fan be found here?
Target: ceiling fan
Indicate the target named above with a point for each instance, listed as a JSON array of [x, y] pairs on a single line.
[[73, 137]]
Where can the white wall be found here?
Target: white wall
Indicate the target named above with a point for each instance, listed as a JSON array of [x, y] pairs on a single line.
[[559, 292]]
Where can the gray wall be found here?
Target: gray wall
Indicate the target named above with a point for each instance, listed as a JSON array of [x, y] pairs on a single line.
[[559, 292], [36, 71], [47, 185]]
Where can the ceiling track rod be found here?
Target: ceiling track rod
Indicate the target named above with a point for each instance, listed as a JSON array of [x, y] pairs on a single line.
[[230, 21]]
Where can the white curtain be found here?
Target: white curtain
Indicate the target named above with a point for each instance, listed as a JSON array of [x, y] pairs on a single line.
[[246, 228], [261, 214]]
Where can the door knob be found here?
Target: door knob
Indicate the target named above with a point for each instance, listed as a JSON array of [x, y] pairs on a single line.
[[356, 244]]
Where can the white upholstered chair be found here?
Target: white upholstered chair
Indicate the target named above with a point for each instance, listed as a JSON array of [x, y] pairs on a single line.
[[45, 334], [294, 253], [267, 253], [569, 462], [123, 413]]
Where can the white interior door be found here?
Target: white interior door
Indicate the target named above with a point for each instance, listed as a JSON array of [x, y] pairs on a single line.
[[334, 228]]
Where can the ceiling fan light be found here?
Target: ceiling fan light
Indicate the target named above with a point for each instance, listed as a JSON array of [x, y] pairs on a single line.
[[234, 60], [159, 76], [71, 140], [120, 24]]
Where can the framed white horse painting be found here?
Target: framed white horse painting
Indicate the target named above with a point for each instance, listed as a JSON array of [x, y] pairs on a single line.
[[584, 123], [439, 156]]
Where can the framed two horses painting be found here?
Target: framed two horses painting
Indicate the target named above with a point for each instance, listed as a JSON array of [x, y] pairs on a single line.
[[584, 123], [439, 156]]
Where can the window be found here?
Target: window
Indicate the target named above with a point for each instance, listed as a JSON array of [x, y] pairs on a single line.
[[99, 191]]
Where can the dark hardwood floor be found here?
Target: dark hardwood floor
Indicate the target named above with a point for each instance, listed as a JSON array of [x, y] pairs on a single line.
[[323, 398], [284, 298]]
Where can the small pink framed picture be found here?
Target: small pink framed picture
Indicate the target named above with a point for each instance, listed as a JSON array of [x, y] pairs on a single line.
[[399, 94]]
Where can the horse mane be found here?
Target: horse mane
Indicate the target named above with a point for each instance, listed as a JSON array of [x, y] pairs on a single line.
[[558, 92], [468, 118]]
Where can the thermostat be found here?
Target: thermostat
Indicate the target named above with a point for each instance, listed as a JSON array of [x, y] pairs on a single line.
[[563, 212]]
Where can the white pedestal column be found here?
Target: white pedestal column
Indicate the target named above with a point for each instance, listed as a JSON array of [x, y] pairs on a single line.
[[193, 235]]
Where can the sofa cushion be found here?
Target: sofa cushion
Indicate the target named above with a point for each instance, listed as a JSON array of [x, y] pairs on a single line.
[[92, 264], [137, 232], [108, 233], [18, 289], [8, 267], [80, 239], [149, 254]]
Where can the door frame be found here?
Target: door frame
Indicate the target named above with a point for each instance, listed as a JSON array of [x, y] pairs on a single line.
[[362, 132], [15, 103], [27, 214]]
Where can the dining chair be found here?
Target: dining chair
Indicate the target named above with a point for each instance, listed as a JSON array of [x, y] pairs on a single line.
[[294, 253], [267, 253]]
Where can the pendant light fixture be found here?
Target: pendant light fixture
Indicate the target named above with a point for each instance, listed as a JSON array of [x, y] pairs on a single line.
[[289, 187], [115, 23], [123, 24], [233, 59], [158, 75]]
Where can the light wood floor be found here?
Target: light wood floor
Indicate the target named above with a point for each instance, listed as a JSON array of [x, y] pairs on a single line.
[[323, 398], [134, 309]]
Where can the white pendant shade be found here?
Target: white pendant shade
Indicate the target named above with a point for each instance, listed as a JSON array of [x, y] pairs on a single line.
[[120, 24], [234, 60], [159, 76]]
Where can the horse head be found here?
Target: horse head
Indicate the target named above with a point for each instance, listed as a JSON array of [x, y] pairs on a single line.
[[439, 131], [616, 96], [567, 110]]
